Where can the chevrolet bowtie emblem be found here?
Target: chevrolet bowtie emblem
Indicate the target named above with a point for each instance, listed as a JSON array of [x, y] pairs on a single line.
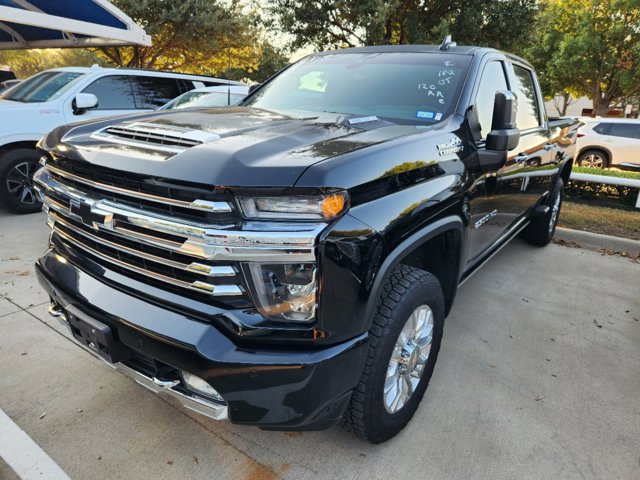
[[90, 214]]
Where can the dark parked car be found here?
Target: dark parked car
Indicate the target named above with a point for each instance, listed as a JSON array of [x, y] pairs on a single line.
[[6, 73], [289, 263]]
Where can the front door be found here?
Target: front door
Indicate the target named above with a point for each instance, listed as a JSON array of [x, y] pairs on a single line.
[[495, 197]]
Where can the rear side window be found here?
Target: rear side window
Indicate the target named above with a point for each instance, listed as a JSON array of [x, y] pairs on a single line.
[[528, 110], [153, 92], [493, 79], [602, 128], [626, 130], [114, 93]]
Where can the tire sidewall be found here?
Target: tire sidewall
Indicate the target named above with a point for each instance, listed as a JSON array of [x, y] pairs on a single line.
[[419, 294], [558, 190]]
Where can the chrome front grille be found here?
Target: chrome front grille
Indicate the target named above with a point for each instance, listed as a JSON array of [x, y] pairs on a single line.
[[165, 246]]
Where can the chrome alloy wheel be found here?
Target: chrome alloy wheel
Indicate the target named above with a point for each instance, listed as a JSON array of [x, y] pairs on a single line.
[[593, 160], [555, 209], [408, 359], [20, 182]]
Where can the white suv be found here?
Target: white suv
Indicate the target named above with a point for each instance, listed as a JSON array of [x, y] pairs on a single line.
[[607, 142], [64, 95]]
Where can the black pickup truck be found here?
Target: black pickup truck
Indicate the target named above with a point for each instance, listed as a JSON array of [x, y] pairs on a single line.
[[289, 263]]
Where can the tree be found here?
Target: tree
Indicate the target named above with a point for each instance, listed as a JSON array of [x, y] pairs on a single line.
[[589, 47], [29, 62], [271, 61], [198, 36], [347, 23]]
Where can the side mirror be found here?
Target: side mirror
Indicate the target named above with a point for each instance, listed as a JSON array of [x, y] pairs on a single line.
[[84, 102], [504, 134], [254, 87]]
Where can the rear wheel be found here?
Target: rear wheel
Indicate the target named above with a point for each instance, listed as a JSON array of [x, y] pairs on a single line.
[[593, 159], [16, 180], [541, 229], [404, 341]]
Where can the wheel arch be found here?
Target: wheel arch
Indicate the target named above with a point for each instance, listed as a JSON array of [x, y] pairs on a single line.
[[18, 144], [598, 148], [445, 237]]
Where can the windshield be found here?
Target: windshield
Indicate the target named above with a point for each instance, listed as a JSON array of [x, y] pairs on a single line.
[[409, 88], [42, 87], [203, 99]]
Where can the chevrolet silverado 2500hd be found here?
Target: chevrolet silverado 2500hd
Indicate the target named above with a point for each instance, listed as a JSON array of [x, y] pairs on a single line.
[[289, 263]]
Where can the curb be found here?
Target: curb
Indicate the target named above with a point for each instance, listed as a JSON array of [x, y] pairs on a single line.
[[595, 241]]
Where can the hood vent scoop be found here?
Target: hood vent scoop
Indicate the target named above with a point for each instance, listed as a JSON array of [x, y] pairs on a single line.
[[158, 137]]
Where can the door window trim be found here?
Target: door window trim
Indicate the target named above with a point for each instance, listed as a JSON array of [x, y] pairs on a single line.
[[542, 117]]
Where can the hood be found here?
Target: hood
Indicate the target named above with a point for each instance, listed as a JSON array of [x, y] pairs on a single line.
[[234, 146]]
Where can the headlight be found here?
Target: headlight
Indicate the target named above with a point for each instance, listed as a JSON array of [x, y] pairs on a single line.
[[285, 292], [299, 207]]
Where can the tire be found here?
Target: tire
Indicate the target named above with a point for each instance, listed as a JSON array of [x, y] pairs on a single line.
[[594, 159], [17, 167], [370, 413], [541, 229]]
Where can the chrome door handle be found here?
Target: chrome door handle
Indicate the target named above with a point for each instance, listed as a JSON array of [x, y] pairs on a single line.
[[521, 158], [549, 146]]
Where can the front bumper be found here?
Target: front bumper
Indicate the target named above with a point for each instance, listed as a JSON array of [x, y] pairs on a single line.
[[273, 388]]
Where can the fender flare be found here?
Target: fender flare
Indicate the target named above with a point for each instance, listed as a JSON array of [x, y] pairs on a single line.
[[452, 222]]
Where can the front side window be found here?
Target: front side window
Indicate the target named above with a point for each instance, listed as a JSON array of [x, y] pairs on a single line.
[[114, 92], [153, 92], [42, 87], [528, 112], [493, 80], [625, 130], [409, 87]]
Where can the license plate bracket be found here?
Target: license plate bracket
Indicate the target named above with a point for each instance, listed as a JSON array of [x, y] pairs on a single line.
[[96, 336]]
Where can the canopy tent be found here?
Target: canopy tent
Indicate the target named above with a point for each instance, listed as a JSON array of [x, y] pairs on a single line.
[[66, 23]]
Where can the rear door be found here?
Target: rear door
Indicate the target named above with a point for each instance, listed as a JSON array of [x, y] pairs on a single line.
[[536, 149], [153, 92], [623, 140]]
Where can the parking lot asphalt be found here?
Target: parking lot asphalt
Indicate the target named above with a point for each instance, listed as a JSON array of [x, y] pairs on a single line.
[[538, 377]]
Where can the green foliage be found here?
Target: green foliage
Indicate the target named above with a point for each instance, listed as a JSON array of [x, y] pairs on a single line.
[[606, 173], [197, 36], [603, 195], [271, 61], [345, 23], [29, 62], [589, 47], [611, 195]]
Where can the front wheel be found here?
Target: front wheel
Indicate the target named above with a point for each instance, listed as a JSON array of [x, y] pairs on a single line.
[[17, 167], [404, 341]]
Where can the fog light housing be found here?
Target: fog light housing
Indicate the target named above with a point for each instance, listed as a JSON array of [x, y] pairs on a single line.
[[199, 386], [285, 292]]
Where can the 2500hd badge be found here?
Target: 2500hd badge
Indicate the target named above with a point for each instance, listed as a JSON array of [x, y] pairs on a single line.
[[293, 268]]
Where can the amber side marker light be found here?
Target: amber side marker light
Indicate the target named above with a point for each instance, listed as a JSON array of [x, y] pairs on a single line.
[[333, 205]]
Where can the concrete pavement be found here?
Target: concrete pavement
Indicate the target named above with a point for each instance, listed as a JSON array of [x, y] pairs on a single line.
[[538, 377]]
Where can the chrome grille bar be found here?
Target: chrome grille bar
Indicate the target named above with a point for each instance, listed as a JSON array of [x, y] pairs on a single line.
[[294, 243], [194, 267], [201, 205], [198, 286]]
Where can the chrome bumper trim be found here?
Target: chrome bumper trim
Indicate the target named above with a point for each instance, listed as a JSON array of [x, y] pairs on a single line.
[[212, 410]]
